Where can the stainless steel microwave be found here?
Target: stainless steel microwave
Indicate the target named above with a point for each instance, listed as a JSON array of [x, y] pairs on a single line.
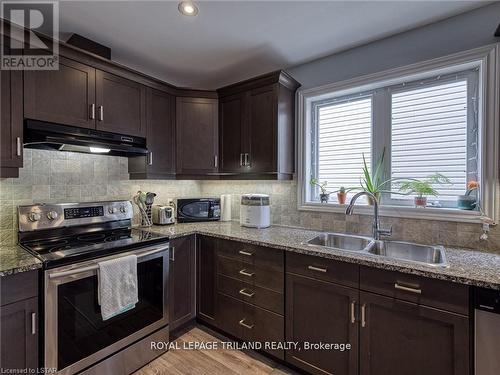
[[198, 209]]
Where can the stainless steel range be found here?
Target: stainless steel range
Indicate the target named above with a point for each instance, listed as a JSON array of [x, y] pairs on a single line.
[[71, 239]]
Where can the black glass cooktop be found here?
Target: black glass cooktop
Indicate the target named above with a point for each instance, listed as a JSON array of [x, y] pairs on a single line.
[[69, 249]]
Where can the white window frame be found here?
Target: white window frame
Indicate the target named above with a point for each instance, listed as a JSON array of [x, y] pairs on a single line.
[[486, 59]]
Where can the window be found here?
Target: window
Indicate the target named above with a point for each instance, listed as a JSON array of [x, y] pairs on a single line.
[[425, 121]]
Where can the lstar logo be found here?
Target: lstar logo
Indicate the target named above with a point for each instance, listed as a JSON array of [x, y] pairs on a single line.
[[22, 46]]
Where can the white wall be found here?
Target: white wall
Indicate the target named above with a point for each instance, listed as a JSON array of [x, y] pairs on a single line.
[[465, 31]]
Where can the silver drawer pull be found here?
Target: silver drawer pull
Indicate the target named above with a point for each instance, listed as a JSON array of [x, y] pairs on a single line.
[[243, 292], [248, 326], [245, 253], [312, 268], [409, 288], [245, 273], [33, 323]]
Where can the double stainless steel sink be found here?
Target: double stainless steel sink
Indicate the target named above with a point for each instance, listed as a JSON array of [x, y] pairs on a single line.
[[433, 256]]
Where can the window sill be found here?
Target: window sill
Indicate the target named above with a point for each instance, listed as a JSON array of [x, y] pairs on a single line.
[[444, 214]]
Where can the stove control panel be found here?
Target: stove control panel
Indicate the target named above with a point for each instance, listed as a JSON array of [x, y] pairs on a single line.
[[57, 215]]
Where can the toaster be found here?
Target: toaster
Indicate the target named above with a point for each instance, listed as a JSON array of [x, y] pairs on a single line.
[[163, 215]]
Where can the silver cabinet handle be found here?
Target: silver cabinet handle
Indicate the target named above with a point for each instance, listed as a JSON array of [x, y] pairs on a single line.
[[312, 268], [353, 312], [247, 164], [363, 315], [409, 288], [172, 251], [241, 160], [216, 161], [248, 254], [243, 292], [19, 146], [33, 323], [248, 326], [101, 113], [245, 273], [150, 158], [92, 111]]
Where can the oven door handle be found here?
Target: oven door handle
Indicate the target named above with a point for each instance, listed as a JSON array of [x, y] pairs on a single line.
[[95, 266]]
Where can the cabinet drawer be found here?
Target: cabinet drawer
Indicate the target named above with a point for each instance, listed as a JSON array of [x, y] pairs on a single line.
[[435, 293], [264, 277], [250, 323], [18, 287], [252, 294], [323, 269], [253, 254]]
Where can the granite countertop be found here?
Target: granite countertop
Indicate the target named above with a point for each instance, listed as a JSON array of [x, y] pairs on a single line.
[[14, 259], [465, 266]]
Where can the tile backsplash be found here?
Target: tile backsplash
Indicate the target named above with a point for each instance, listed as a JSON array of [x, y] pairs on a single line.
[[51, 176]]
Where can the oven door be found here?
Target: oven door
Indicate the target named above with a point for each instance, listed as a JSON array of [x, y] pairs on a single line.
[[76, 337]]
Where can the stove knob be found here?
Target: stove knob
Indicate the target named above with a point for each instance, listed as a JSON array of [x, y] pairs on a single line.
[[123, 209], [112, 210], [34, 216], [52, 215]]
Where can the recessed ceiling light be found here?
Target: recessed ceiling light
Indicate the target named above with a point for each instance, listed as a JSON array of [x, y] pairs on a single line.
[[188, 8]]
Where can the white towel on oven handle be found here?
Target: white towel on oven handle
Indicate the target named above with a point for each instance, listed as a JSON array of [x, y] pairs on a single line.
[[117, 285]]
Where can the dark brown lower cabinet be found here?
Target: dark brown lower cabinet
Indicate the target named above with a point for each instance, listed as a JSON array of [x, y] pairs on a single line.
[[321, 312], [206, 255], [398, 337], [19, 323], [182, 281]]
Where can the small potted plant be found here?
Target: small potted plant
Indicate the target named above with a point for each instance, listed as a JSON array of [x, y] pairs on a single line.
[[324, 196], [341, 195], [373, 182], [422, 188], [468, 201]]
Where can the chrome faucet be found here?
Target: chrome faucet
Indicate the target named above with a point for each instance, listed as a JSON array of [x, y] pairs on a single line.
[[377, 232]]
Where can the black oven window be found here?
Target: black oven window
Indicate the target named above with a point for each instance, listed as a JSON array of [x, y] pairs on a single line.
[[81, 330], [196, 210]]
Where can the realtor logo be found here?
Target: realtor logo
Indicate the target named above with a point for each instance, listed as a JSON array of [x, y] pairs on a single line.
[[22, 46]]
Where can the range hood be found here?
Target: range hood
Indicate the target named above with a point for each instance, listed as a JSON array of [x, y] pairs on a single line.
[[49, 136]]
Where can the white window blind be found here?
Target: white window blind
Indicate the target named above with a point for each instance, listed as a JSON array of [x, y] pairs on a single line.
[[344, 134], [429, 135]]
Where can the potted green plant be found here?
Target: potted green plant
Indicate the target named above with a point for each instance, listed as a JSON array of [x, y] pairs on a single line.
[[373, 183], [341, 195], [422, 188], [324, 195]]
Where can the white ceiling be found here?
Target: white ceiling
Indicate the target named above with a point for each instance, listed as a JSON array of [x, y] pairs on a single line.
[[233, 40]]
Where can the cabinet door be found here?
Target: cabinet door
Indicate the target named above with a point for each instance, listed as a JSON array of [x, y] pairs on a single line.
[[197, 132], [64, 96], [19, 335], [120, 105], [11, 136], [160, 136], [261, 131], [232, 112], [182, 281], [398, 337], [321, 312], [207, 278]]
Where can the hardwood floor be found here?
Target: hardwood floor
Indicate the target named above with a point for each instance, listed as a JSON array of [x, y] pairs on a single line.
[[210, 362]]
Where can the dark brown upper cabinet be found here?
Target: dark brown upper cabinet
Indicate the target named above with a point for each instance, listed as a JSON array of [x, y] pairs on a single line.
[[82, 96], [182, 298], [120, 105], [65, 96], [160, 137], [399, 337], [11, 136], [257, 126], [197, 137]]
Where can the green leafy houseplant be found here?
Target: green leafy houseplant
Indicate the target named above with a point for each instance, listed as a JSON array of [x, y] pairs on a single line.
[[374, 183], [324, 196], [422, 188]]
